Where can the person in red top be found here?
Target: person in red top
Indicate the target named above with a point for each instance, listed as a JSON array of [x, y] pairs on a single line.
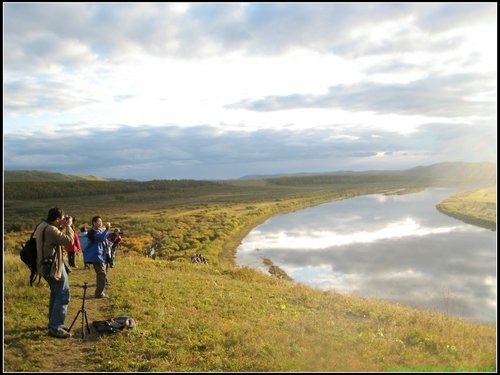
[[72, 250]]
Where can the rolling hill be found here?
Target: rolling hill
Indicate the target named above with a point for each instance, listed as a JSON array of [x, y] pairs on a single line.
[[455, 171], [39, 176]]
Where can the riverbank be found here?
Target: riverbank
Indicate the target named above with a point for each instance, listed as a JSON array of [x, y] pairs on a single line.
[[476, 207], [368, 244]]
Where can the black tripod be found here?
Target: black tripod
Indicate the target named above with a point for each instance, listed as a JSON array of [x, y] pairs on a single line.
[[85, 322]]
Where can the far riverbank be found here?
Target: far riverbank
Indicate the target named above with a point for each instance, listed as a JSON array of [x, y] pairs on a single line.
[[476, 207]]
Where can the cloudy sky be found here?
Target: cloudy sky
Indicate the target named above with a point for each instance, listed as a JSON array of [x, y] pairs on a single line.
[[223, 90]]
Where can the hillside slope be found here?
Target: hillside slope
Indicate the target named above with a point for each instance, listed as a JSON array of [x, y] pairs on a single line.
[[459, 171], [466, 171], [477, 207], [34, 176], [205, 318]]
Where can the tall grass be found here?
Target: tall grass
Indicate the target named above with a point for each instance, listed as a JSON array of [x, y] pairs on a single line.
[[196, 317]]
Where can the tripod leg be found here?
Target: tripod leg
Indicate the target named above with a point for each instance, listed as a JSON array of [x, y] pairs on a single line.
[[83, 325], [87, 322], [74, 320]]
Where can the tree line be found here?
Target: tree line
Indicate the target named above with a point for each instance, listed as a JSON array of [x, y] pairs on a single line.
[[60, 189]]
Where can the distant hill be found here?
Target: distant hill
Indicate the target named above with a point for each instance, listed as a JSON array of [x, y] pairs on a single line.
[[462, 171], [452, 171], [39, 176], [458, 170]]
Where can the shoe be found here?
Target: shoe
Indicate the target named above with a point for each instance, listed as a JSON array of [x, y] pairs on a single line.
[[63, 327], [102, 296], [59, 333]]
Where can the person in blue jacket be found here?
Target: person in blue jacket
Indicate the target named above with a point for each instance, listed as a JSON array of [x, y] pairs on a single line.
[[95, 253], [84, 240]]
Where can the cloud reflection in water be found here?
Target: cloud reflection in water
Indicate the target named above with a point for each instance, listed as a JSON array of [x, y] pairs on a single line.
[[397, 248], [321, 239]]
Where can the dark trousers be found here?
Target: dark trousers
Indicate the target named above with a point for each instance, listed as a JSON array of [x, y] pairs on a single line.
[[71, 259], [100, 271]]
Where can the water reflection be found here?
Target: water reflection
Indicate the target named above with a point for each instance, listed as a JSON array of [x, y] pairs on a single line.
[[398, 248]]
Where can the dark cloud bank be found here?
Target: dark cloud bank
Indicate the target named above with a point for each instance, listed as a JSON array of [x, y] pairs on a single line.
[[205, 153]]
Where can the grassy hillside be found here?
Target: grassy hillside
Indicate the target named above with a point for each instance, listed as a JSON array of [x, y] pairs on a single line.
[[216, 317], [447, 171], [476, 207], [194, 317], [457, 171], [24, 176]]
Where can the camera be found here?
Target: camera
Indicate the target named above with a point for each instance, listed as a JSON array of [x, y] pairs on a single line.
[[47, 266]]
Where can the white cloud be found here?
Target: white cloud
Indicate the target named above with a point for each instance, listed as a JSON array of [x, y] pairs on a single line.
[[282, 69]]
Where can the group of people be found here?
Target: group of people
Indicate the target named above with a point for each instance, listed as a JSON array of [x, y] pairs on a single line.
[[81, 241], [55, 238]]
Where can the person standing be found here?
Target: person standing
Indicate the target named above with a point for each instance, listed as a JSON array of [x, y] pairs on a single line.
[[114, 239], [82, 236], [50, 242], [95, 253], [73, 250]]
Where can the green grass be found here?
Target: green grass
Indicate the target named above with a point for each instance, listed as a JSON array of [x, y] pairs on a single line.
[[476, 207], [218, 317], [194, 317]]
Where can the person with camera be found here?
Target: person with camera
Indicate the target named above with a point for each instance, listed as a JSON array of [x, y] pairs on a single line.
[[50, 243], [114, 239], [73, 250], [95, 253]]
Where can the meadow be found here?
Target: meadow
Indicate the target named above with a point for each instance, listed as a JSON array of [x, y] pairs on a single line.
[[477, 207], [216, 317]]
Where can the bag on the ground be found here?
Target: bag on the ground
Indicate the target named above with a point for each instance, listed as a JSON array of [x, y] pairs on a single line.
[[29, 256], [114, 325]]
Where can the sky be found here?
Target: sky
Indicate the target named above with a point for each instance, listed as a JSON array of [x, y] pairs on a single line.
[[224, 90]]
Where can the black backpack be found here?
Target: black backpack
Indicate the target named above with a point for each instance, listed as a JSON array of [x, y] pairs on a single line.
[[28, 255], [91, 235], [114, 325]]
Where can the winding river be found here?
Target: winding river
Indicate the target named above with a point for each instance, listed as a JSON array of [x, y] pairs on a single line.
[[397, 248]]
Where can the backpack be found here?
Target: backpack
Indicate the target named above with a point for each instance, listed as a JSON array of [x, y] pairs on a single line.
[[114, 325], [91, 235], [29, 255]]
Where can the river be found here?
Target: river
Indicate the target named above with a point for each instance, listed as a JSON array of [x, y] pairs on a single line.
[[398, 248]]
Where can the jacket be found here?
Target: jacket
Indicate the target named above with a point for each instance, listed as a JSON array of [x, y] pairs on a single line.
[[76, 245], [95, 251], [53, 246], [82, 237], [114, 240]]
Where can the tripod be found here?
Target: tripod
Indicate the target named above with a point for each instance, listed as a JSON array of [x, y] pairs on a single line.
[[85, 322]]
